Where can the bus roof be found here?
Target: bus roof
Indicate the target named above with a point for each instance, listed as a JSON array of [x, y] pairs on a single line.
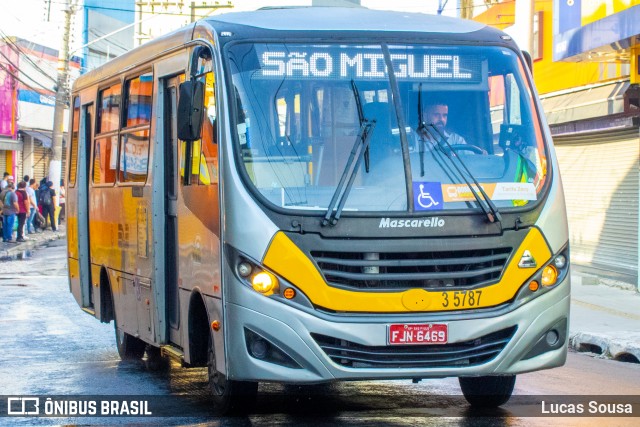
[[345, 19]]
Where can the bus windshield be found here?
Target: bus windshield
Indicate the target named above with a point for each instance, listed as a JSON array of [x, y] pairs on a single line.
[[301, 108]]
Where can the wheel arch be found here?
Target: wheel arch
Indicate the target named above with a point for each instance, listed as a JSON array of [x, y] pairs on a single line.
[[197, 330], [107, 309]]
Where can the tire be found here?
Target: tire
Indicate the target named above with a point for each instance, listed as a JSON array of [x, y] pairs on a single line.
[[229, 396], [489, 391], [129, 347]]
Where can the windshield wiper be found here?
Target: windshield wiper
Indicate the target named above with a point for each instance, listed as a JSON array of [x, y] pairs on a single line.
[[358, 152], [361, 120], [490, 210]]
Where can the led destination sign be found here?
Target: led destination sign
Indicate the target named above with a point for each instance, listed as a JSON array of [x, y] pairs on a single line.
[[348, 62]]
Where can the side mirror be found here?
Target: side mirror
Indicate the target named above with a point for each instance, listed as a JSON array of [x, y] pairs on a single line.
[[528, 60], [190, 110]]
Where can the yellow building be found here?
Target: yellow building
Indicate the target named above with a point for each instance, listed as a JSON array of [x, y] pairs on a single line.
[[586, 70]]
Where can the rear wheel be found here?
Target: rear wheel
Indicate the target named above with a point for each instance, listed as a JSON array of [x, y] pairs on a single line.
[[129, 347], [229, 396], [489, 391]]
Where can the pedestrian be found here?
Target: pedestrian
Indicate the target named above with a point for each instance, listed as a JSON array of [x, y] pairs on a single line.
[[26, 179], [9, 210], [23, 209], [3, 183], [43, 183], [46, 200], [61, 201], [33, 205]]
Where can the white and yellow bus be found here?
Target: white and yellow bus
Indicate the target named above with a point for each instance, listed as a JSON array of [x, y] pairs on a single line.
[[259, 194]]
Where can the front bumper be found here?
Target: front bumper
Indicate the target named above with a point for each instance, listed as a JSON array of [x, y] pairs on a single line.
[[291, 331]]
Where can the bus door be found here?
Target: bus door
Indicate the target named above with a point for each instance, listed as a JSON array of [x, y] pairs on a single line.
[[86, 138], [171, 207]]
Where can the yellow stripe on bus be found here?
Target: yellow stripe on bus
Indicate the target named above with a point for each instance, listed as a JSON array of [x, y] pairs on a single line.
[[287, 260]]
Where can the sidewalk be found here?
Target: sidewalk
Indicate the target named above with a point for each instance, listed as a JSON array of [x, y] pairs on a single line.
[[10, 250], [605, 315], [605, 318]]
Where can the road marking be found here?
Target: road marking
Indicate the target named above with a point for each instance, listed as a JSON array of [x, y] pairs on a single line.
[[606, 310]]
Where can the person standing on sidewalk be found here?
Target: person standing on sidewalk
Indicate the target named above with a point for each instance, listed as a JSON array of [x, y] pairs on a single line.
[[46, 199], [33, 205], [61, 201], [3, 183], [23, 208], [9, 210]]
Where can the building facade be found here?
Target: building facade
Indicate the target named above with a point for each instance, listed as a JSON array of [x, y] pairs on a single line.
[[27, 100], [107, 30], [587, 72]]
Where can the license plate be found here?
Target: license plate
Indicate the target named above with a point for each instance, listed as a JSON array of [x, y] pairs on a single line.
[[425, 333]]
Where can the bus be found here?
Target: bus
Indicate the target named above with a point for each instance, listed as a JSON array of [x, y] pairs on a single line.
[[309, 195]]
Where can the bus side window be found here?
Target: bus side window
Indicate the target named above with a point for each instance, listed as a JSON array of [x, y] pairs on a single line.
[[208, 171], [73, 146], [202, 167], [134, 137], [106, 142]]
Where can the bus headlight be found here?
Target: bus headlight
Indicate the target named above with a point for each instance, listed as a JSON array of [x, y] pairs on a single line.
[[549, 275], [265, 283], [560, 261]]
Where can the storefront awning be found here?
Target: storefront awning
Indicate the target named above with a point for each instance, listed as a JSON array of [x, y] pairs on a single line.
[[9, 144], [44, 137], [585, 103]]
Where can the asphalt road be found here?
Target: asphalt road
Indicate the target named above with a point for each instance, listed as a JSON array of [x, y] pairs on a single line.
[[51, 347]]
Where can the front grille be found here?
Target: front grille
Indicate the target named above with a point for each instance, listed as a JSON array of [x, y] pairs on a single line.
[[468, 353], [427, 270]]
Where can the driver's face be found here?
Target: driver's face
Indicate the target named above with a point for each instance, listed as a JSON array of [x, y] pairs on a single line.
[[437, 115]]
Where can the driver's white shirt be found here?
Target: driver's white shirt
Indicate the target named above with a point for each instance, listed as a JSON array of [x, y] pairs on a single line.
[[452, 137]]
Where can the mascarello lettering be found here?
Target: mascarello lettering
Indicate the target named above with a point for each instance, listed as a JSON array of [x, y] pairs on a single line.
[[411, 223]]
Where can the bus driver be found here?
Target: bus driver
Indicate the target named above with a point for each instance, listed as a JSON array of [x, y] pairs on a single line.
[[437, 114]]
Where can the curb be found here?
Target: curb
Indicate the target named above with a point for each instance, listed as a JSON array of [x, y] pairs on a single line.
[[622, 346], [18, 249]]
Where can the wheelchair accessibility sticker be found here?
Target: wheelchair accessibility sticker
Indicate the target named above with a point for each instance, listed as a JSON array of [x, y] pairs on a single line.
[[427, 196]]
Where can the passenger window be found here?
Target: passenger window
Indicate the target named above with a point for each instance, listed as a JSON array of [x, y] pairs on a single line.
[[134, 144], [104, 160], [109, 109], [134, 156], [73, 147], [138, 102]]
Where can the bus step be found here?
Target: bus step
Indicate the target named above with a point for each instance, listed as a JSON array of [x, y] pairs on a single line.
[[173, 353], [89, 310]]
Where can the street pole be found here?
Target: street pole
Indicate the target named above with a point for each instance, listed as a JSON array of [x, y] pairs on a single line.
[[524, 22], [55, 164]]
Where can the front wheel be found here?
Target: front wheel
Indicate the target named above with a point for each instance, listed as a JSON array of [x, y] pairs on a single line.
[[229, 396], [489, 391]]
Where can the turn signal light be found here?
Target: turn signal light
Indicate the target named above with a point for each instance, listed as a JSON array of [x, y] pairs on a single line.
[[549, 275], [264, 282], [289, 293], [534, 286]]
